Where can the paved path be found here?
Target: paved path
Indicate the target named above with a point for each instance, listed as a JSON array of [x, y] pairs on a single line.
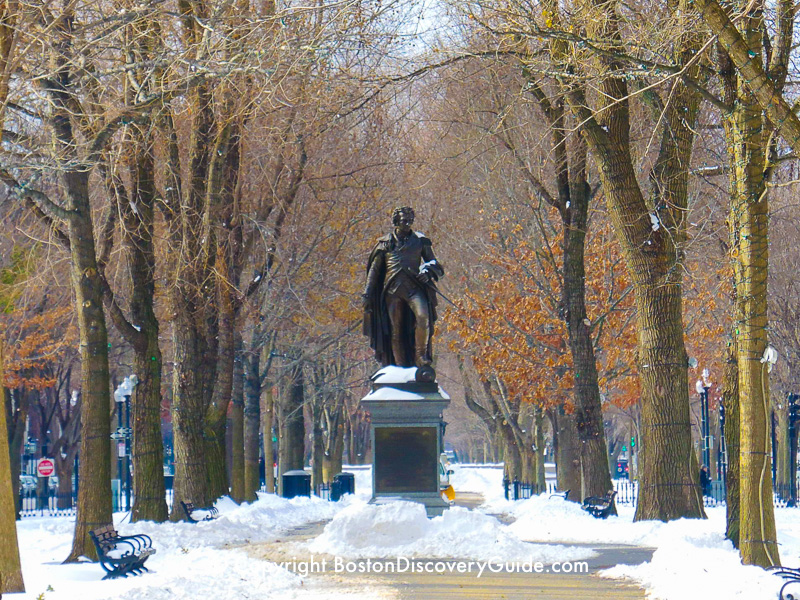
[[462, 586]]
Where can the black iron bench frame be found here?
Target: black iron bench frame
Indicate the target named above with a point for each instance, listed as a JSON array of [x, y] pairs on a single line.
[[189, 508], [600, 507], [135, 550], [792, 576]]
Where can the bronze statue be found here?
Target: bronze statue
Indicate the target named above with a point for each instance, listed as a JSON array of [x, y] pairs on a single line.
[[400, 297]]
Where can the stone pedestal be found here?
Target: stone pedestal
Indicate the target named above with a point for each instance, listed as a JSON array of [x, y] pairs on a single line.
[[406, 429]]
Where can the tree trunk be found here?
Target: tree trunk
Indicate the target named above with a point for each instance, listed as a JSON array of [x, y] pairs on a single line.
[[334, 440], [16, 408], [65, 467], [667, 485], [237, 423], [588, 411], [147, 447], [748, 221], [758, 544], [317, 445], [187, 404], [567, 449], [252, 418], [217, 414], [267, 423], [94, 494], [10, 568], [291, 428], [730, 400], [783, 473], [538, 421], [664, 452], [512, 468]]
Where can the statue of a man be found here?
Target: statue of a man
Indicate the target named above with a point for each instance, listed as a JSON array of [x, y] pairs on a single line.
[[400, 297]]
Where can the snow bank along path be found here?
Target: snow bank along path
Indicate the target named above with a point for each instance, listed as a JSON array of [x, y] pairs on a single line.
[[191, 562], [692, 560]]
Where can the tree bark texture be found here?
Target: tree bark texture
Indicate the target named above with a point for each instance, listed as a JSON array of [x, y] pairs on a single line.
[[730, 399], [10, 566], [17, 415], [188, 402], [334, 438], [572, 203], [252, 425], [267, 423], [653, 255], [147, 450], [588, 410], [192, 301], [291, 427], [94, 492], [748, 151], [237, 423], [568, 457], [757, 542], [317, 444]]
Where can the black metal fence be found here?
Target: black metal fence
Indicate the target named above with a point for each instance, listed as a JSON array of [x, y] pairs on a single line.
[[35, 502], [627, 492], [51, 503]]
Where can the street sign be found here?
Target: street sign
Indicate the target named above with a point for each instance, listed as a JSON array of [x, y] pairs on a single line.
[[45, 468]]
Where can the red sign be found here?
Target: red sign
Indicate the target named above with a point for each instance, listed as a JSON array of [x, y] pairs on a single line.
[[45, 467]]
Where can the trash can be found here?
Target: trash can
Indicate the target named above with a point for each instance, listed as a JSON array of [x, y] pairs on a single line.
[[343, 483], [296, 483]]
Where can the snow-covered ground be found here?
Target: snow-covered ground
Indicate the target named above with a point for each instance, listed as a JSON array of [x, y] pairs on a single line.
[[204, 561], [190, 563], [692, 558]]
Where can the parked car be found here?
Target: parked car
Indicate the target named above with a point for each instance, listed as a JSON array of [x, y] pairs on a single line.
[[27, 484], [622, 469]]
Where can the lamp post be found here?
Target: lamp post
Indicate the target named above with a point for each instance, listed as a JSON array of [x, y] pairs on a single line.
[[702, 386], [122, 396], [794, 416], [722, 456]]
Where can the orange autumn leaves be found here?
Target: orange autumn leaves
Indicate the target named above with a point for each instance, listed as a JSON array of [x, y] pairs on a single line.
[[36, 346], [509, 321]]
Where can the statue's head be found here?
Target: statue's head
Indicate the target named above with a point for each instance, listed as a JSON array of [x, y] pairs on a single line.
[[403, 215]]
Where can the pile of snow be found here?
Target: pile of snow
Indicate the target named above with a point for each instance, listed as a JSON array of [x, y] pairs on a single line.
[[402, 529]]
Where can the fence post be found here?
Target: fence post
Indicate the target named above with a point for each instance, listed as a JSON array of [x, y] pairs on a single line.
[[516, 488]]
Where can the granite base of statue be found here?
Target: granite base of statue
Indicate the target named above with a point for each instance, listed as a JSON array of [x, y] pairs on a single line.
[[406, 429]]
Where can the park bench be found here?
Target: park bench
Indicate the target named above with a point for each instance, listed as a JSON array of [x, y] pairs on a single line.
[[600, 506], [564, 494], [121, 555], [791, 576], [189, 508]]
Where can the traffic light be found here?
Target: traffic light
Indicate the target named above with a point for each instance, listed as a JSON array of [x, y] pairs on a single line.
[[633, 442]]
